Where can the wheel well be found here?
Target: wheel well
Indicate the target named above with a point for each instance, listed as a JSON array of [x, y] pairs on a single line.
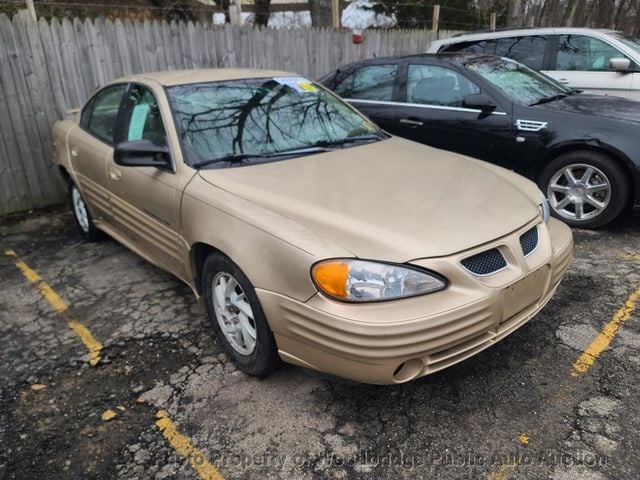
[[199, 253], [64, 174], [615, 156]]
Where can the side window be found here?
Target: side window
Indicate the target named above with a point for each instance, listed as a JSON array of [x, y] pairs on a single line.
[[433, 85], [142, 118], [528, 50], [99, 116], [374, 82], [480, 46], [583, 53]]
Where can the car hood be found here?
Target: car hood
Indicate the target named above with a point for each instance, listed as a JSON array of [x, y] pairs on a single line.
[[392, 200], [603, 106]]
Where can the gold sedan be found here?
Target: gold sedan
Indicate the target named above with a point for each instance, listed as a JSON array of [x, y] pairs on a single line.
[[310, 235]]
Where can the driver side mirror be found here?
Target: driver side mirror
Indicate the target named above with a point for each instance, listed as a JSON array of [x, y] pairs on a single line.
[[620, 64], [142, 153], [479, 101]]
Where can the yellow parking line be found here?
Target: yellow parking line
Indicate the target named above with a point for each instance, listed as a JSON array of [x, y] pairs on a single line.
[[182, 445], [504, 472], [602, 341], [60, 306]]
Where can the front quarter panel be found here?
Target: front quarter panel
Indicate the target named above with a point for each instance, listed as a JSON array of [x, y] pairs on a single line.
[[274, 252]]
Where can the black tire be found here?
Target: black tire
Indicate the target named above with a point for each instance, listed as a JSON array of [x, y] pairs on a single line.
[[604, 166], [87, 228], [264, 359]]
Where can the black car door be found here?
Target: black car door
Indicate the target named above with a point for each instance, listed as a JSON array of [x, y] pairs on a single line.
[[433, 111], [371, 88]]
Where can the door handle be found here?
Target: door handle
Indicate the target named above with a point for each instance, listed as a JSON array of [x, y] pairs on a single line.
[[563, 81], [115, 175], [74, 152], [412, 123]]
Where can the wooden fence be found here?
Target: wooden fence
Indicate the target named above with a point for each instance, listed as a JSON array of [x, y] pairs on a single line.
[[49, 67]]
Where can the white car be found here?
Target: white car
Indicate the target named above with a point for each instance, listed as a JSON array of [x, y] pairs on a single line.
[[599, 61]]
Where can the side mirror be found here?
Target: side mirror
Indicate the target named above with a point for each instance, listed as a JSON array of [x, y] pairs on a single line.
[[142, 153], [620, 64], [479, 101]]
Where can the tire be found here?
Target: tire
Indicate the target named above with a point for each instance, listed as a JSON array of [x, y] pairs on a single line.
[[600, 186], [239, 315], [82, 216]]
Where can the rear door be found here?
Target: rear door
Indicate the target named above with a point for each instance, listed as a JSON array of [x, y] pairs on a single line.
[[91, 145], [583, 62], [433, 113], [145, 199], [371, 88]]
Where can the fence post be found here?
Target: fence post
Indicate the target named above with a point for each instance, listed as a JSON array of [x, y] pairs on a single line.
[[335, 13], [492, 21], [235, 13], [32, 10], [435, 20]]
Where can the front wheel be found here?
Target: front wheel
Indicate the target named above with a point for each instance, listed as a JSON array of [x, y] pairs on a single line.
[[585, 189], [237, 318]]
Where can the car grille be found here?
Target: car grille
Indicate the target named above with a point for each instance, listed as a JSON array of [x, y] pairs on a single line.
[[485, 263], [529, 241]]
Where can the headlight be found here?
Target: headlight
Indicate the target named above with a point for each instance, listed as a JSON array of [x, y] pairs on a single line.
[[545, 209], [363, 281]]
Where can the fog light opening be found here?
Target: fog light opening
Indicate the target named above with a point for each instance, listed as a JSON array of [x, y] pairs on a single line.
[[408, 370]]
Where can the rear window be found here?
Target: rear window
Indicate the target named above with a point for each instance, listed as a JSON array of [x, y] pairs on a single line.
[[528, 50]]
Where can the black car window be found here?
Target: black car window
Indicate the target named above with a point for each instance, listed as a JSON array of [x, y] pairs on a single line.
[[142, 119], [99, 117], [480, 46], [584, 53], [434, 85], [528, 50], [373, 82]]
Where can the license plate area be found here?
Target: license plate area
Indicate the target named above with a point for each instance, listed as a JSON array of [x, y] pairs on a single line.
[[524, 293]]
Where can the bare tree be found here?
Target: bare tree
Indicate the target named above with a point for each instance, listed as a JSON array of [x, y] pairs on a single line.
[[515, 13], [263, 10], [320, 13]]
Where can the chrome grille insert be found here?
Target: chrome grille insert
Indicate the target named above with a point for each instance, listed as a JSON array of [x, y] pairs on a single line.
[[529, 241], [485, 263]]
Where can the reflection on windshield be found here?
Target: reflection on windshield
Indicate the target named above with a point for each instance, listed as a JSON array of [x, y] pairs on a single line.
[[263, 116], [628, 40], [520, 83]]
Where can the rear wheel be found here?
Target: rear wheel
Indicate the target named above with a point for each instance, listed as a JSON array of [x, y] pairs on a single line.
[[585, 189], [83, 218], [237, 317]]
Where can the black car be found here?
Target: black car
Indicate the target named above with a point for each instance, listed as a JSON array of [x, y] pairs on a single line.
[[582, 149]]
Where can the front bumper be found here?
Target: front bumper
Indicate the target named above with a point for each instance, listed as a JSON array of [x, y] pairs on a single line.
[[397, 341]]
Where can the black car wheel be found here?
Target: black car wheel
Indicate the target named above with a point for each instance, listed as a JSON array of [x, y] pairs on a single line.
[[83, 217], [237, 318], [585, 189]]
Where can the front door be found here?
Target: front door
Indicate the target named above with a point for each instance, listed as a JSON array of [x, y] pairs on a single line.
[[145, 200], [583, 62], [433, 113]]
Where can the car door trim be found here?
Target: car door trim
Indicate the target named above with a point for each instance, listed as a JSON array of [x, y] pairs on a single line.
[[420, 105]]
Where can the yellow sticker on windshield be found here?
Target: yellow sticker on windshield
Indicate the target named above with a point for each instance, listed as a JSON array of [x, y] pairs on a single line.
[[299, 84]]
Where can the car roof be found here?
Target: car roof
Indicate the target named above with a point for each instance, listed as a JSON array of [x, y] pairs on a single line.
[[184, 77], [445, 57], [521, 32]]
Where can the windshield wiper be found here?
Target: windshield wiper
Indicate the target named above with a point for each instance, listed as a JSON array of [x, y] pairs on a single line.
[[344, 141], [242, 157], [551, 98]]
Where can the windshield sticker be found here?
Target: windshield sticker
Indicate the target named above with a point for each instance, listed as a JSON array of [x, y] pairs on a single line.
[[299, 84], [138, 120]]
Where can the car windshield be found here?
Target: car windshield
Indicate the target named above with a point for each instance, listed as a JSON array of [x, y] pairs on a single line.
[[248, 121], [628, 40], [517, 81]]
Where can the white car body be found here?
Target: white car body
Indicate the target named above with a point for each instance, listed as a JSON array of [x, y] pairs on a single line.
[[606, 81]]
